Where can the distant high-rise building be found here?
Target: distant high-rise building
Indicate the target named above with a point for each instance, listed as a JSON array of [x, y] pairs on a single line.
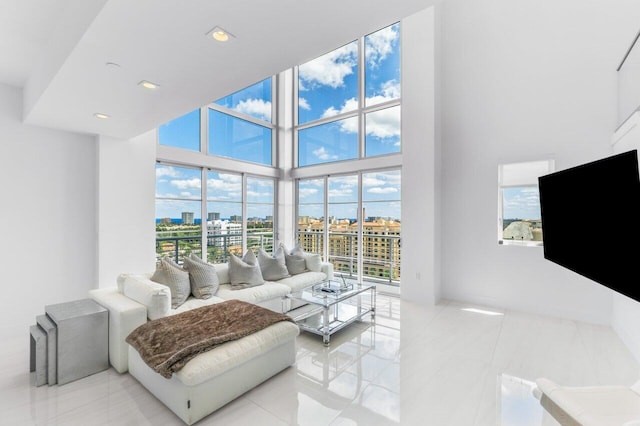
[[165, 220], [187, 218], [269, 219], [235, 218], [211, 216]]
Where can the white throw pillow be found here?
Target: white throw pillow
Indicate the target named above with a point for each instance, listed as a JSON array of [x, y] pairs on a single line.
[[273, 268], [313, 261], [202, 275], [245, 272]]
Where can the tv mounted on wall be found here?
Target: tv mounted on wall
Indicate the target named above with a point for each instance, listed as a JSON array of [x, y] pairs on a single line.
[[591, 221]]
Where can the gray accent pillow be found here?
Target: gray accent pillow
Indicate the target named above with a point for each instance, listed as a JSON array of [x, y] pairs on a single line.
[[203, 277], [313, 261], [295, 262], [273, 267], [245, 272], [173, 276]]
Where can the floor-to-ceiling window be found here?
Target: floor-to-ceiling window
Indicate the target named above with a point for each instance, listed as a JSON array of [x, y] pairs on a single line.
[[377, 223], [178, 211], [348, 110], [226, 145]]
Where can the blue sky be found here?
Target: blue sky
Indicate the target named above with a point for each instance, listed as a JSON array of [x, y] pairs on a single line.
[[521, 203], [178, 190], [380, 195], [328, 86]]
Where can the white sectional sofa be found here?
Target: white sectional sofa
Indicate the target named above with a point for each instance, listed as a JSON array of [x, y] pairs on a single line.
[[213, 378]]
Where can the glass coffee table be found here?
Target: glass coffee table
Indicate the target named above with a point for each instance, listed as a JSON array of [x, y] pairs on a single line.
[[332, 305]]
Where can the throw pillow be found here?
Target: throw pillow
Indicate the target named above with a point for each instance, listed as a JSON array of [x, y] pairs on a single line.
[[295, 262], [313, 262], [173, 276], [202, 275], [273, 267], [245, 272]]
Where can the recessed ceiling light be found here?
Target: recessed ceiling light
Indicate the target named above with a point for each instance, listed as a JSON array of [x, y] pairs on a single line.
[[148, 85], [101, 115], [220, 34]]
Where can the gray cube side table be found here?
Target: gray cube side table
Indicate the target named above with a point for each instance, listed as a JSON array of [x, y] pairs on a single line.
[[38, 361], [82, 338], [49, 327]]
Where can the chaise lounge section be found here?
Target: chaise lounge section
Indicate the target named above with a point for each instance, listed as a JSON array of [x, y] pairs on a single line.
[[213, 378]]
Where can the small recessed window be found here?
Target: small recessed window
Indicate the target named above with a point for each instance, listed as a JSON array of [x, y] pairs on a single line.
[[519, 217]]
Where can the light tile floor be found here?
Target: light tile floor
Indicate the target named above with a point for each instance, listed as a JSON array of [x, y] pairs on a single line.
[[413, 365]]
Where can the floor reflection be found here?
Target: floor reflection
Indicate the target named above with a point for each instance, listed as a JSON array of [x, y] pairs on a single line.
[[517, 406]]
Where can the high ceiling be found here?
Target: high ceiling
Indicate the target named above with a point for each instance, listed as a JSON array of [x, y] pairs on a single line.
[[58, 51]]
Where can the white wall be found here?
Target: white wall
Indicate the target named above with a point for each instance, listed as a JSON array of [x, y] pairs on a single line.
[[523, 81], [420, 161], [48, 249], [126, 206], [625, 318]]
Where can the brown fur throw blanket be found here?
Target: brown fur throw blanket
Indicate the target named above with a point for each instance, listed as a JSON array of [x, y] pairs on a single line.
[[167, 344]]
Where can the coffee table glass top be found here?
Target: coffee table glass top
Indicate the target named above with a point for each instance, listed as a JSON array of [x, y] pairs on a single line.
[[330, 292]]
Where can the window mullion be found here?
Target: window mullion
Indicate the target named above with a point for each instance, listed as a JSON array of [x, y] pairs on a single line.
[[203, 213], [361, 99]]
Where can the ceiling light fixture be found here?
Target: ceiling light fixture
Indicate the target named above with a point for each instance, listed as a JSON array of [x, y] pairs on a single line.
[[148, 85], [220, 34], [101, 116]]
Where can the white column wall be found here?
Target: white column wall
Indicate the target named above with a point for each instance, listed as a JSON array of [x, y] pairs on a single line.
[[420, 280], [523, 81], [48, 215], [126, 206], [286, 226]]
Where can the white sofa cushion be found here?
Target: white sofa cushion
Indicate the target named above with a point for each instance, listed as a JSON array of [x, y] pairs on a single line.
[[300, 281], [194, 302], [256, 295], [154, 296], [210, 364]]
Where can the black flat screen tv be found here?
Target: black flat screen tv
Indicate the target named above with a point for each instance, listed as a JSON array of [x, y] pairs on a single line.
[[591, 221]]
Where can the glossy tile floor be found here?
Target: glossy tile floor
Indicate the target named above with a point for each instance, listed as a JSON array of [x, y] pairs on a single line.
[[413, 365]]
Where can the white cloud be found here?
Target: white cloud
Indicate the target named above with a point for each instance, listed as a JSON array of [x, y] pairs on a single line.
[[307, 192], [185, 194], [258, 194], [304, 104], [256, 108], [384, 123], [330, 69], [389, 90], [341, 192], [379, 44], [371, 179], [322, 154], [186, 183], [349, 105], [225, 183], [168, 171], [384, 190]]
